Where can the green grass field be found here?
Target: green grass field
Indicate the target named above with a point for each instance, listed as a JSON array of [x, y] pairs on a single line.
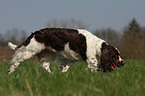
[[29, 79]]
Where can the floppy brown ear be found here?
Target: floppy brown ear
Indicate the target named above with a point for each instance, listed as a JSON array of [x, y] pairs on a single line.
[[104, 45], [105, 59], [104, 51]]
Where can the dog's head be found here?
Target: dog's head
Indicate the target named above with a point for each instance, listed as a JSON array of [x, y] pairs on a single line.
[[110, 58]]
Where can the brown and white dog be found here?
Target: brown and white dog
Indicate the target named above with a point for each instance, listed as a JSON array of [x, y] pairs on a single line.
[[69, 44]]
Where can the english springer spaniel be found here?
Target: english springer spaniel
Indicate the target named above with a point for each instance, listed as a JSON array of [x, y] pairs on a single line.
[[67, 45]]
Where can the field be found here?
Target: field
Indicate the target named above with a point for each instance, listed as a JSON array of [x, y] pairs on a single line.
[[29, 79]]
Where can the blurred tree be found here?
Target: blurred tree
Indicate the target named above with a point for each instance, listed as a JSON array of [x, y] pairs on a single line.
[[14, 35], [142, 43], [65, 23], [23, 36], [131, 40], [109, 35], [133, 29], [2, 41]]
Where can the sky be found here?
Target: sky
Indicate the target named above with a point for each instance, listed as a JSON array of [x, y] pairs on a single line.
[[32, 15]]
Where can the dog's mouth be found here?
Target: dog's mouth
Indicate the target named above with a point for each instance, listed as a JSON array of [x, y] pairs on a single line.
[[107, 69], [120, 64], [110, 67], [113, 66]]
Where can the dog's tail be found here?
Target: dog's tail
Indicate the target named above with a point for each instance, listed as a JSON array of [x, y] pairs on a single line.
[[12, 46]]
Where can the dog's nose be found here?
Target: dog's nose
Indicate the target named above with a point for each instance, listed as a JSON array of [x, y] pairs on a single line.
[[121, 63]]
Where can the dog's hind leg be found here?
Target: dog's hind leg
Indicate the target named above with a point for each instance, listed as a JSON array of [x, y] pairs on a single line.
[[18, 58], [45, 57], [64, 63], [24, 53], [65, 69]]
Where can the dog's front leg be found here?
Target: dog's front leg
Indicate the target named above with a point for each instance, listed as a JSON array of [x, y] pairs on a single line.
[[65, 69], [64, 63], [46, 66], [92, 64], [46, 57]]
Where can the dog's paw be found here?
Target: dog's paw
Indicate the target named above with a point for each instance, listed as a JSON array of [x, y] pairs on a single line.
[[9, 71]]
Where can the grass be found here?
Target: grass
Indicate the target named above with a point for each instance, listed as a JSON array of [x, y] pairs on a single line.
[[29, 79]]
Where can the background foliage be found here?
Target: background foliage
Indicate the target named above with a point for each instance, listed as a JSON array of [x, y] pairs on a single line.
[[130, 41]]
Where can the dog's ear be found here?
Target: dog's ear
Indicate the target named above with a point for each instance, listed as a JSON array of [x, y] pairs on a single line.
[[104, 45], [105, 59], [104, 49]]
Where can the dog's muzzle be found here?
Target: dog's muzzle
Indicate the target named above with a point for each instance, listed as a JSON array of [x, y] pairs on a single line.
[[121, 64]]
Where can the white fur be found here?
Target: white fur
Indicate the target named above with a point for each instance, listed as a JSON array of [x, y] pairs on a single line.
[[12, 46], [93, 48], [46, 66], [25, 52], [65, 69]]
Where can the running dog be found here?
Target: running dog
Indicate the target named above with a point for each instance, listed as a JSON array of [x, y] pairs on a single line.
[[70, 44]]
